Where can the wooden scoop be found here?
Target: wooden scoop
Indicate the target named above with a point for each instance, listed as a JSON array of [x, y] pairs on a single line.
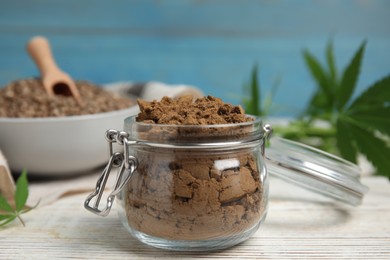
[[55, 81]]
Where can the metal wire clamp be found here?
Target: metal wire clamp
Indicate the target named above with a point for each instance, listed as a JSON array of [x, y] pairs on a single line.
[[126, 163]]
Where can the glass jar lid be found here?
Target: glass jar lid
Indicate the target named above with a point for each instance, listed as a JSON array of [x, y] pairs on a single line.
[[315, 170]]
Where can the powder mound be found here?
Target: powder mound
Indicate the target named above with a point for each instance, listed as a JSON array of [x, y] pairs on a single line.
[[187, 111], [28, 98]]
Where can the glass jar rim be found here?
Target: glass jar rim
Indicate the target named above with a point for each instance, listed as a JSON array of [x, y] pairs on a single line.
[[198, 135]]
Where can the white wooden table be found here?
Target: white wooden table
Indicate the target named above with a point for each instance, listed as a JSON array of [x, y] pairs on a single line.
[[299, 225]]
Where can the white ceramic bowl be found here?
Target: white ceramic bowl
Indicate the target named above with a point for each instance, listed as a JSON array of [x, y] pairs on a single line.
[[59, 145]]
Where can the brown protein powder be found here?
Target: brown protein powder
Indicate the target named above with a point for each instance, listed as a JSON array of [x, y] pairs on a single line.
[[28, 98], [186, 111], [194, 194]]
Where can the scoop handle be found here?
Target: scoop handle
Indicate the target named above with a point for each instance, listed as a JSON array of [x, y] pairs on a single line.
[[40, 51]]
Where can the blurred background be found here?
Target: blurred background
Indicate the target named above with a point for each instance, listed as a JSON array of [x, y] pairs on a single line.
[[212, 45]]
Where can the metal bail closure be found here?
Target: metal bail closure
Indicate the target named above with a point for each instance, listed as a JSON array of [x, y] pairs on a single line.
[[127, 165], [315, 170], [267, 135]]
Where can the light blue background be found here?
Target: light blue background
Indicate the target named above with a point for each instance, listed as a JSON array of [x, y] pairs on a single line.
[[209, 44]]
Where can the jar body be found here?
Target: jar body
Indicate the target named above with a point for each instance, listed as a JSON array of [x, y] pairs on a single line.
[[195, 199]]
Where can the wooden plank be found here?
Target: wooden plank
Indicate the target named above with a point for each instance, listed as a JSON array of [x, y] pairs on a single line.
[[208, 44], [300, 225]]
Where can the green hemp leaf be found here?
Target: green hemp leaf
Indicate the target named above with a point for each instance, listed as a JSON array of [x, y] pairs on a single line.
[[253, 105], [333, 92], [361, 125], [254, 102], [9, 213], [354, 126], [365, 127]]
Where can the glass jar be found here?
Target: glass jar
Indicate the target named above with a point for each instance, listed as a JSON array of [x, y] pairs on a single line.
[[205, 187], [194, 187]]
